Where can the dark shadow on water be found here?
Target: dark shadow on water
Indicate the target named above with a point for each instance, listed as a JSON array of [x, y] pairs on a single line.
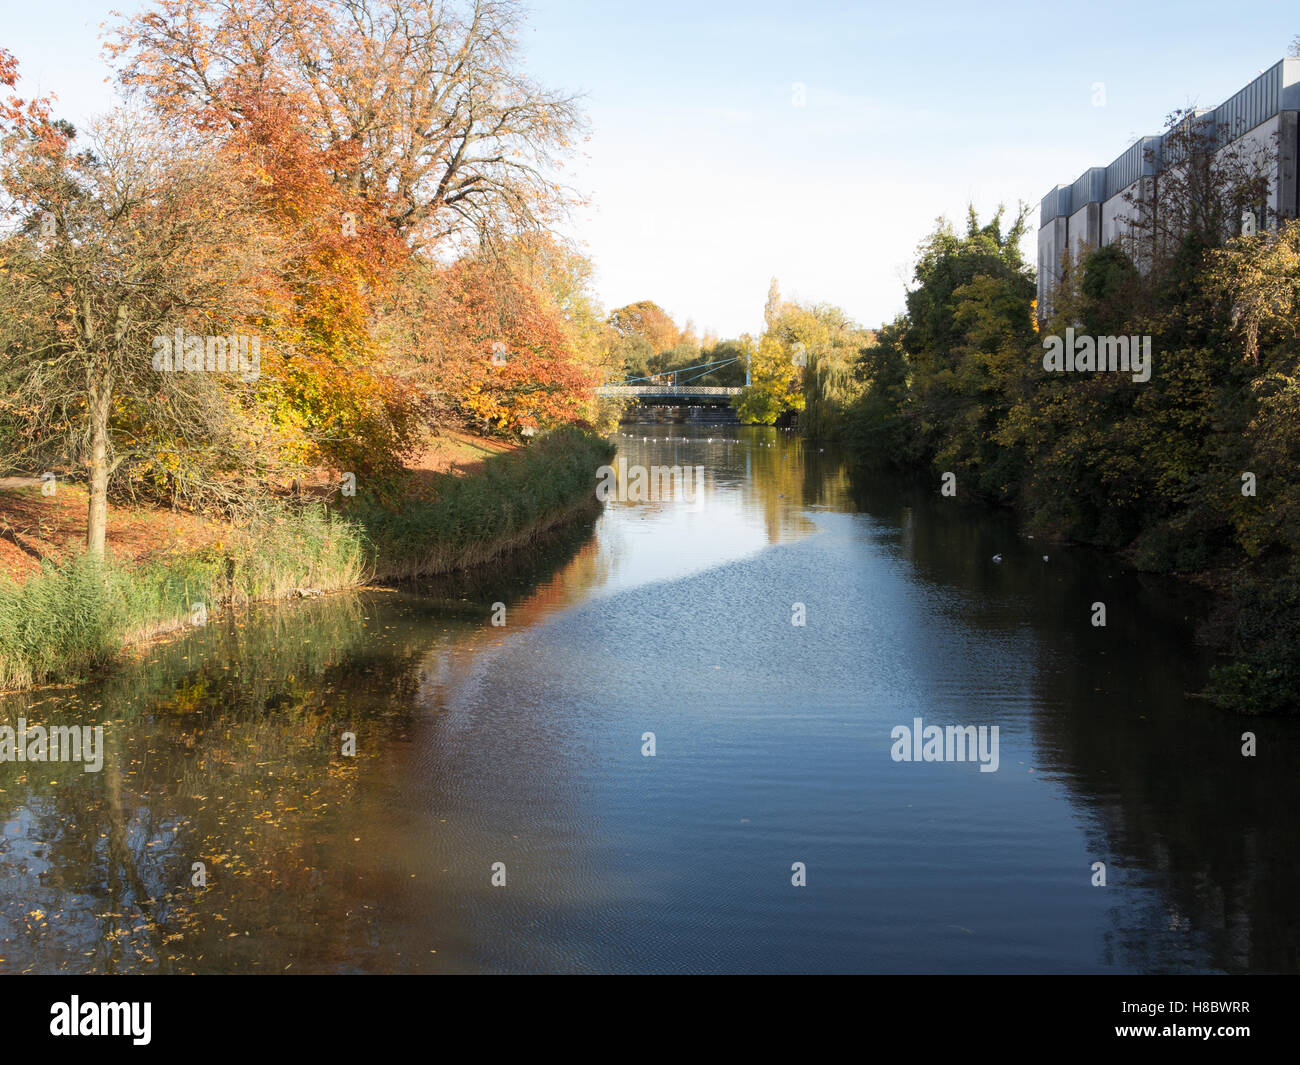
[[1173, 805]]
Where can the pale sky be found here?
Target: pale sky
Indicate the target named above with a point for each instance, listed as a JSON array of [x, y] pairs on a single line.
[[813, 141]]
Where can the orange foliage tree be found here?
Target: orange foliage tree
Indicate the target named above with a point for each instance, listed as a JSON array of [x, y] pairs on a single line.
[[16, 114], [411, 123], [493, 344], [324, 381], [449, 135]]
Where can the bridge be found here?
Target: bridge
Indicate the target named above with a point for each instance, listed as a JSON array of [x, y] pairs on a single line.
[[670, 393], [668, 396], [669, 387]]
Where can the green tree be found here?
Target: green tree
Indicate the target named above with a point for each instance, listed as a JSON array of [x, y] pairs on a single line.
[[877, 426], [943, 391]]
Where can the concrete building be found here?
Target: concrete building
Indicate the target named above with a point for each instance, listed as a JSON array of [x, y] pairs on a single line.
[[1097, 209]]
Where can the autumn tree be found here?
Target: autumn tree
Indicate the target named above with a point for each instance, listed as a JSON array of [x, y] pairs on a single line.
[[1260, 274], [123, 244], [564, 277], [772, 308], [806, 352], [646, 320], [441, 127], [775, 375], [17, 115], [486, 333], [327, 385], [412, 124]]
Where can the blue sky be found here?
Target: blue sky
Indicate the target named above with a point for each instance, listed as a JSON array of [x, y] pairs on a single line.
[[814, 142]]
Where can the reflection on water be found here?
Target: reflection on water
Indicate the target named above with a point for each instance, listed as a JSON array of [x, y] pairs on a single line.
[[519, 747]]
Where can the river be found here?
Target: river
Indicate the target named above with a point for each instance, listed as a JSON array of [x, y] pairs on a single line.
[[502, 812]]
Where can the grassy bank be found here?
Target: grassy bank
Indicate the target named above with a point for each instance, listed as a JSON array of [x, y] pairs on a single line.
[[471, 520], [75, 618]]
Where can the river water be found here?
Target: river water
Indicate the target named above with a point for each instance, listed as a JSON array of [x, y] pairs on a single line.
[[500, 812]]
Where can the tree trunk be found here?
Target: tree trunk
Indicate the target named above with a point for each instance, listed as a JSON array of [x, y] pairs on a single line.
[[97, 519], [99, 396]]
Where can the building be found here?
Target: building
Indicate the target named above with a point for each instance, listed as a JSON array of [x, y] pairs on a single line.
[[1096, 209]]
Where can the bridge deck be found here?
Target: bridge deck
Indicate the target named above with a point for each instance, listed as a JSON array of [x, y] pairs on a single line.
[[667, 391]]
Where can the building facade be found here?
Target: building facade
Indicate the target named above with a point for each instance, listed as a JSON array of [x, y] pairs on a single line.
[[1100, 206]]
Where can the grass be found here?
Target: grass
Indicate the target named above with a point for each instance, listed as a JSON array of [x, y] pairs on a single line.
[[72, 619], [75, 618], [502, 507]]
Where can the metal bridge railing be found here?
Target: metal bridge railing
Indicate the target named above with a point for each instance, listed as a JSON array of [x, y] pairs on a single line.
[[667, 390]]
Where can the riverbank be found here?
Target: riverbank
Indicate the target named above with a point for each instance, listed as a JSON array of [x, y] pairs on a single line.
[[74, 615]]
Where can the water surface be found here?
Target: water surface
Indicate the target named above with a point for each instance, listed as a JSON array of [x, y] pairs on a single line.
[[522, 745]]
